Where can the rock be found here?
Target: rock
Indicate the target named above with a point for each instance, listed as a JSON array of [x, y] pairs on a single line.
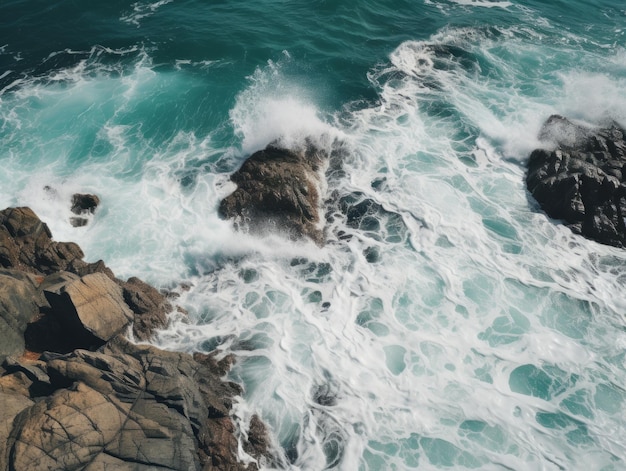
[[93, 400], [26, 244], [582, 180], [278, 189], [20, 302], [130, 407], [93, 302], [149, 306], [83, 204], [12, 405]]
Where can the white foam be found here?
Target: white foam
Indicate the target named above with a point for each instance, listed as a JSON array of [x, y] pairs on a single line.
[[483, 3], [415, 350], [274, 109], [142, 10]]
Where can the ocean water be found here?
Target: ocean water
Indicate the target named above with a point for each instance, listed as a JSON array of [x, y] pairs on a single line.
[[448, 323]]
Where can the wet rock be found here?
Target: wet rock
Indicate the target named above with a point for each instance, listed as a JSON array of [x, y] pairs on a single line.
[[93, 400], [26, 244], [83, 204], [150, 307], [278, 189], [582, 179]]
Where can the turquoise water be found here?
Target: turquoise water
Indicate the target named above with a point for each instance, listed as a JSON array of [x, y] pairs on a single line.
[[454, 326]]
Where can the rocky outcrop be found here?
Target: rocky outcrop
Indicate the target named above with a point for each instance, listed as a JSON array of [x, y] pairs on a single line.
[[26, 245], [278, 189], [128, 407], [77, 395], [582, 179]]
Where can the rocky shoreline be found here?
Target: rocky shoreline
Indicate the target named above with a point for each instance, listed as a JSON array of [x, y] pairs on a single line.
[[77, 394]]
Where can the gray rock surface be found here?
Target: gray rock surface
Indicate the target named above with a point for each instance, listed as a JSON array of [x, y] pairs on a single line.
[[278, 190], [581, 178]]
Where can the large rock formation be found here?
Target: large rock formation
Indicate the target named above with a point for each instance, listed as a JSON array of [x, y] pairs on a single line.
[[77, 395], [26, 244], [278, 189], [582, 179]]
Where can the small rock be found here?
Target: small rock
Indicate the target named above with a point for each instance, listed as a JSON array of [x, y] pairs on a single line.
[[84, 203]]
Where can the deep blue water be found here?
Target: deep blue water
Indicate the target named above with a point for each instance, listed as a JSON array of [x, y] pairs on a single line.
[[483, 336]]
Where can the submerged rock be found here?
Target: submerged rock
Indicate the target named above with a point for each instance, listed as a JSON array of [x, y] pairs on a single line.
[[583, 179], [278, 189]]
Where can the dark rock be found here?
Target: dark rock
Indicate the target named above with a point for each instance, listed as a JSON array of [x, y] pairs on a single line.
[[150, 307], [278, 189], [26, 244], [84, 203], [78, 221], [582, 180]]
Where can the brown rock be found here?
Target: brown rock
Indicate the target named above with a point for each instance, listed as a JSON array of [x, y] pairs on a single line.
[[150, 307], [278, 189], [26, 244], [94, 302], [20, 301]]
